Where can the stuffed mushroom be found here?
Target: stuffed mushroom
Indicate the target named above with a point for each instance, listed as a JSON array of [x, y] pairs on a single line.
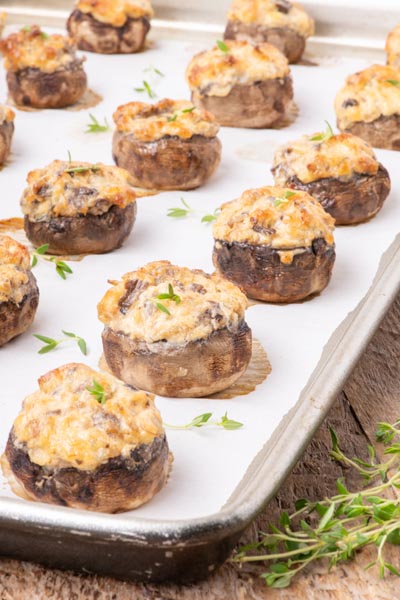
[[110, 26], [393, 47], [242, 85], [7, 117], [175, 331], [86, 440], [78, 208], [369, 106], [341, 171], [171, 145], [43, 70], [284, 24], [275, 243], [19, 294]]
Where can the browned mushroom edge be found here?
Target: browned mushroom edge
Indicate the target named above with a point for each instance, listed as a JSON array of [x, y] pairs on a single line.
[[6, 134], [288, 41], [16, 318], [171, 163], [349, 202], [258, 270], [120, 484], [197, 368], [93, 36], [86, 234], [35, 88], [384, 132], [258, 105]]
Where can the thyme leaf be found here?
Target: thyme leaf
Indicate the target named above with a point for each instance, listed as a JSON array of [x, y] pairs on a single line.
[[146, 89], [222, 46], [51, 344], [324, 136], [62, 268], [205, 420], [98, 392], [95, 127]]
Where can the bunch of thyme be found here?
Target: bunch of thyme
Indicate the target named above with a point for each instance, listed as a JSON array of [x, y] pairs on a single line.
[[345, 523]]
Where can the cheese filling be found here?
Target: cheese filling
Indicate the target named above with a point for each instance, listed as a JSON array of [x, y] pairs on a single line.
[[151, 122], [64, 425], [276, 217], [341, 156], [72, 189], [32, 48], [393, 47], [215, 72], [138, 307], [14, 269], [272, 13], [368, 95], [115, 12]]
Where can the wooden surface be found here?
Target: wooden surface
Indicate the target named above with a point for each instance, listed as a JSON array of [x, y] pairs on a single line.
[[372, 394]]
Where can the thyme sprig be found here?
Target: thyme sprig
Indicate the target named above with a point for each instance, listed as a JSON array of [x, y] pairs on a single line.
[[146, 89], [222, 46], [177, 212], [62, 268], [147, 86], [170, 295], [176, 114], [83, 169], [51, 344], [284, 199], [98, 392], [205, 420], [95, 127], [323, 136], [394, 82], [346, 522]]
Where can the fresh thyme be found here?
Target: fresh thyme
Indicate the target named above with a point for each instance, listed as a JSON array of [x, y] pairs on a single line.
[[83, 169], [179, 213], [170, 295], [347, 522], [394, 82], [62, 268], [51, 344], [98, 392], [205, 420], [152, 69], [222, 46], [95, 127], [178, 112], [323, 136], [146, 89], [284, 199]]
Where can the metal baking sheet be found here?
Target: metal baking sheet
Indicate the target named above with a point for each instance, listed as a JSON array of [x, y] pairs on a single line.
[[220, 480]]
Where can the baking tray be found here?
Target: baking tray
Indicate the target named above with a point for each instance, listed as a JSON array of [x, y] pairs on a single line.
[[221, 480]]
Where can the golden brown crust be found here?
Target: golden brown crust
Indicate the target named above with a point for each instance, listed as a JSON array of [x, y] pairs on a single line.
[[14, 270], [72, 189], [215, 72], [31, 48], [273, 14], [275, 217], [393, 47], [64, 425], [309, 159], [151, 122], [115, 12], [368, 95], [205, 304]]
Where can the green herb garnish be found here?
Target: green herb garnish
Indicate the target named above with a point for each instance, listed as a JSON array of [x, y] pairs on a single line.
[[346, 522], [170, 295], [62, 268], [51, 344], [154, 70], [98, 392], [83, 169], [146, 89], [183, 111], [222, 46], [178, 213], [95, 127], [324, 136], [204, 419], [211, 217], [393, 82], [284, 199]]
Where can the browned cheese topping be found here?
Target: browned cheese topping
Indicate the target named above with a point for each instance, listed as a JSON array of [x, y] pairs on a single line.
[[64, 425], [6, 114], [368, 95], [115, 12], [14, 268], [72, 189], [203, 304], [393, 47], [272, 13], [215, 72], [151, 122], [340, 156], [33, 48], [283, 219]]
